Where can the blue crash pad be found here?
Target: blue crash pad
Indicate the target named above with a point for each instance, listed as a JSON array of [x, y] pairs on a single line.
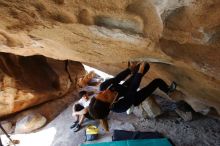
[[141, 142]]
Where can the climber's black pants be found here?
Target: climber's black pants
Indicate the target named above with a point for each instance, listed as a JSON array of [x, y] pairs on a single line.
[[129, 90]]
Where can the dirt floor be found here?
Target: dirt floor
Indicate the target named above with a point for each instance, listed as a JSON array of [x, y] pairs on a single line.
[[202, 131]]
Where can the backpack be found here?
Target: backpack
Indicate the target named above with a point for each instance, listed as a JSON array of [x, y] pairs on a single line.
[[91, 133]]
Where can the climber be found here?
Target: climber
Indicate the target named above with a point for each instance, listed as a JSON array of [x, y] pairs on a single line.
[[119, 98], [80, 110]]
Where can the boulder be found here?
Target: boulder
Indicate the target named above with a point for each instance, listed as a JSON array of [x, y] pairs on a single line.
[[148, 108], [8, 127], [30, 123], [186, 116], [105, 35], [184, 111], [151, 107], [30, 81]]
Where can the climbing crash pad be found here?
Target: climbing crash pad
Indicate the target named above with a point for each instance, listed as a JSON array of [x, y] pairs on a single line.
[[142, 142]]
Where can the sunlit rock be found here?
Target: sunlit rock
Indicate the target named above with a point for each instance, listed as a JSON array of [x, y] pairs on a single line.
[[179, 38], [30, 123], [29, 81]]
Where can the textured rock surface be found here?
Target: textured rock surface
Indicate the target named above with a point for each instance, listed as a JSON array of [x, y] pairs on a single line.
[[186, 116], [149, 108], [29, 81], [8, 127], [180, 38], [201, 132], [30, 123]]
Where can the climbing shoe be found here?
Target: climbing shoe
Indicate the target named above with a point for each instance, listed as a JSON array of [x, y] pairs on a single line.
[[172, 87], [130, 110], [74, 125], [77, 128]]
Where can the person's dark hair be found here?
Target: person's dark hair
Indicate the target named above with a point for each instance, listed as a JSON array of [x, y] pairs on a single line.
[[98, 109], [82, 93]]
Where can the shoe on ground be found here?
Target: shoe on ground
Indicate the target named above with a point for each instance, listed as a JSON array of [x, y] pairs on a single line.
[[74, 125], [77, 128]]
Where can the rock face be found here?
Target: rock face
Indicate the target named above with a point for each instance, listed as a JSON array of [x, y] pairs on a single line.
[[29, 81], [180, 38], [29, 123], [148, 109], [8, 127]]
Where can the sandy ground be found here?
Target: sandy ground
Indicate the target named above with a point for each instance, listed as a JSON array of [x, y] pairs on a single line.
[[202, 131]]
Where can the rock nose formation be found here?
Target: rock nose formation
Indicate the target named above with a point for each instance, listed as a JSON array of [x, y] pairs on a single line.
[[180, 39]]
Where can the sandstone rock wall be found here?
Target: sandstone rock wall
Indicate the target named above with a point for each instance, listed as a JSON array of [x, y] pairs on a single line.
[[180, 38], [29, 81]]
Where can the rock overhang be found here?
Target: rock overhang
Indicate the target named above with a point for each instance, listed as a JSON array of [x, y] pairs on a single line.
[[178, 38]]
